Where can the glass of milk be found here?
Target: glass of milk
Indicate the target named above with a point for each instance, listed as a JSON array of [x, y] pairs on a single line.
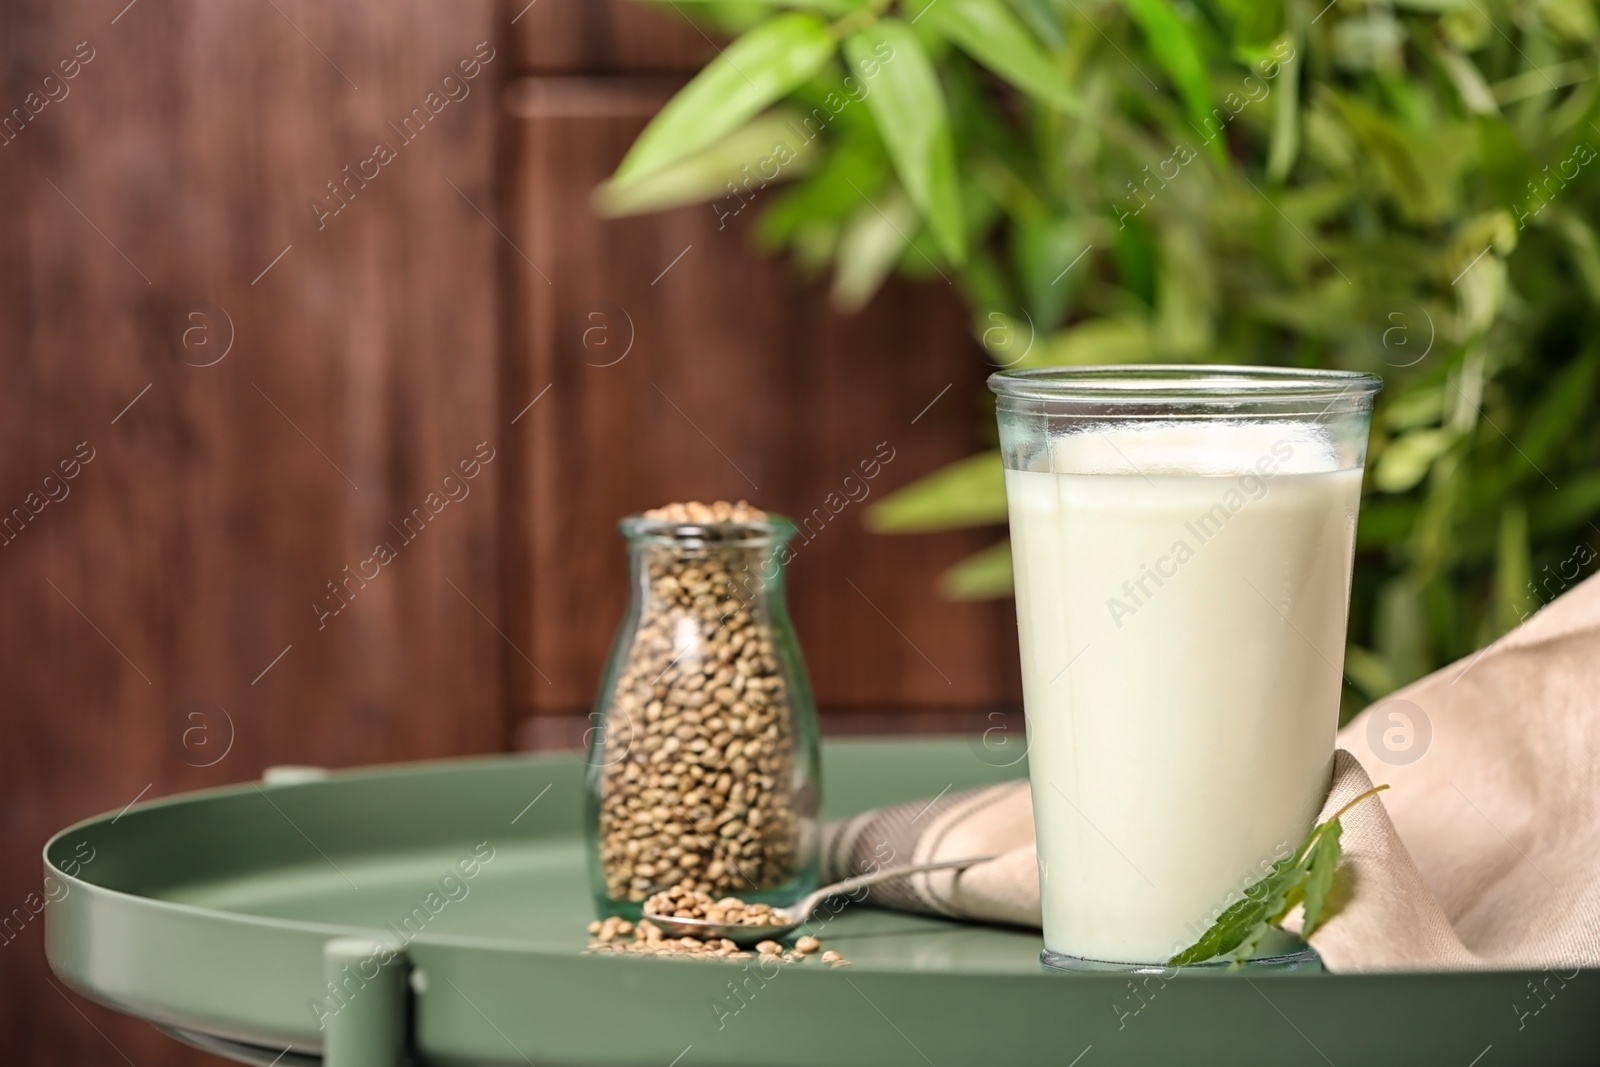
[[1182, 540]]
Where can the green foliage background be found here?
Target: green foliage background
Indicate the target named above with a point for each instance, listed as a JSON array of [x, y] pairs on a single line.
[[1405, 187]]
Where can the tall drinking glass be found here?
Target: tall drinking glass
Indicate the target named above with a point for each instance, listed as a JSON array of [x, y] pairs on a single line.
[[1182, 540]]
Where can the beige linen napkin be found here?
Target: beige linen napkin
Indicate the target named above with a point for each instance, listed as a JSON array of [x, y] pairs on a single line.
[[1483, 853]]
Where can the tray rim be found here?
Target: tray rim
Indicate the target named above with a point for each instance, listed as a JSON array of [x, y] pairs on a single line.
[[459, 955]]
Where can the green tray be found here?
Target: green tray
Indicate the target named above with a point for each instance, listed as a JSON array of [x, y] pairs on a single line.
[[216, 915]]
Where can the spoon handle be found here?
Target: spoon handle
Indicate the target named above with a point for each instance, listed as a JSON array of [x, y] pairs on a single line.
[[849, 885]]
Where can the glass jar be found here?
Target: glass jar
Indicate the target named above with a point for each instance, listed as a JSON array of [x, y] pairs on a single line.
[[703, 763]]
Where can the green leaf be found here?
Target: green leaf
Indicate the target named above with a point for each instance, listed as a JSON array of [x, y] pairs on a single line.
[[871, 244], [757, 69], [1368, 672], [814, 244], [1128, 340], [1238, 921], [1042, 17], [1007, 339], [909, 108], [1134, 251], [1255, 25], [1324, 862], [832, 194], [1505, 162], [767, 143], [971, 492], [1285, 144], [1186, 296], [1584, 248], [1384, 523], [988, 32], [827, 7], [1409, 457], [1422, 406], [1513, 571], [1226, 934], [1042, 250], [983, 575], [1304, 876], [1555, 418], [1577, 501], [1475, 93], [1419, 169], [1400, 629], [1176, 49]]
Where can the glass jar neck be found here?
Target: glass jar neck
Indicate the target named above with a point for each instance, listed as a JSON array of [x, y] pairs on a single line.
[[730, 562]]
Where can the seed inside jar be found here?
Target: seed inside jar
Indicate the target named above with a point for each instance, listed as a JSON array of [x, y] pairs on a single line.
[[698, 769]]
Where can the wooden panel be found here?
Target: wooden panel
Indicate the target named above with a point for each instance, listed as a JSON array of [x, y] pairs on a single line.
[[738, 383], [178, 571], [606, 37]]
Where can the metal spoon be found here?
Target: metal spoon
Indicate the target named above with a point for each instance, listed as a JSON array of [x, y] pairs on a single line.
[[792, 916]]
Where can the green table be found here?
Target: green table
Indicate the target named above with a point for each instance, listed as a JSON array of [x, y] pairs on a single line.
[[217, 916]]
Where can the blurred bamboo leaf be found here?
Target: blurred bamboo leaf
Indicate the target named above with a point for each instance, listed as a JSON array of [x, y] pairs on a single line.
[[1574, 505], [1400, 631], [1369, 672], [750, 74], [1481, 290], [1125, 340], [712, 173], [1008, 340], [1406, 188], [983, 575], [1174, 47], [909, 107], [827, 7], [1580, 238], [1044, 250], [1408, 459], [813, 244], [832, 193], [1475, 92], [988, 32], [1420, 172], [969, 493], [1255, 25], [1186, 300], [1384, 523], [1554, 418], [1506, 163], [1043, 18], [1513, 571], [869, 247], [1573, 19], [1419, 407], [1284, 147]]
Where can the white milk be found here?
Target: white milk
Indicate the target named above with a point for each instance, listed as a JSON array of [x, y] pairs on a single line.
[[1182, 633]]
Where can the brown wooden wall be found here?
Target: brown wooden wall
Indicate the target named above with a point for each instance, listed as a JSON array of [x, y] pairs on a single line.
[[268, 394], [681, 364]]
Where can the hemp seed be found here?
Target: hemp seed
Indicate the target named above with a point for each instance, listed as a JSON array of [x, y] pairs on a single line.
[[698, 771]]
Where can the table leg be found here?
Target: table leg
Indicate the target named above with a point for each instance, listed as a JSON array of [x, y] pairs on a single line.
[[370, 1027]]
